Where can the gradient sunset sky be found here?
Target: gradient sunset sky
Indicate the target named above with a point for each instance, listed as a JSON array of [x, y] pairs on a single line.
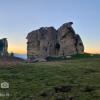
[[19, 17]]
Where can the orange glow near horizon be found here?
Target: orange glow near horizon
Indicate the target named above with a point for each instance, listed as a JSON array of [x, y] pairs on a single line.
[[22, 48], [94, 51], [17, 50], [24, 51]]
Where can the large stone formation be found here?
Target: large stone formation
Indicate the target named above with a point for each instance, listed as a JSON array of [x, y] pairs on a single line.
[[3, 47], [47, 41]]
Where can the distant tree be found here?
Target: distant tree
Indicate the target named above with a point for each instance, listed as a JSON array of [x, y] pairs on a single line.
[[12, 54]]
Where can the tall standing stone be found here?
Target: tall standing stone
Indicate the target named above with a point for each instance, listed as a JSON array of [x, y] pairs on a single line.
[[47, 41], [3, 47]]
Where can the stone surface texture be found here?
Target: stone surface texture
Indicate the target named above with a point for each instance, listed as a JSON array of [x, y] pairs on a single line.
[[3, 47], [47, 41]]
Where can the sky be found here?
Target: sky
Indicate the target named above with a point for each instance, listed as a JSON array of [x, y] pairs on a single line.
[[19, 17]]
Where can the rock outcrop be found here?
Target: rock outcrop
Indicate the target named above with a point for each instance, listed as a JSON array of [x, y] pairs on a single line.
[[3, 47], [47, 41]]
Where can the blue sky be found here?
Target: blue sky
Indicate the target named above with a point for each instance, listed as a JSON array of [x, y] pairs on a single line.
[[18, 17]]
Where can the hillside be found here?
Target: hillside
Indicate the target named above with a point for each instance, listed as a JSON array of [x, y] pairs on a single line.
[[4, 61], [77, 79]]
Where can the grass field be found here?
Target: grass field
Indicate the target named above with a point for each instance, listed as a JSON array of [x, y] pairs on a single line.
[[37, 81]]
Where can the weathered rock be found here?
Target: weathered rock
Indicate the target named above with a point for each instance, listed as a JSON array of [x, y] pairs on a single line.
[[47, 41], [68, 57], [3, 47], [40, 60]]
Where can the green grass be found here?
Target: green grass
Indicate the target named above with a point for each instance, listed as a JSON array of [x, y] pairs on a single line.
[[77, 56], [28, 80], [86, 55]]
